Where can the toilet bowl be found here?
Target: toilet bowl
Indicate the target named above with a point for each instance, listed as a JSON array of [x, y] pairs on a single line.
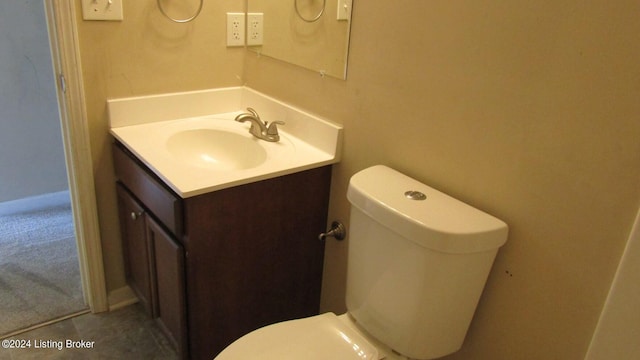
[[320, 337], [418, 261]]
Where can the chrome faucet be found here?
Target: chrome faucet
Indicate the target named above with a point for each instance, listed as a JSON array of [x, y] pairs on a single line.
[[260, 129]]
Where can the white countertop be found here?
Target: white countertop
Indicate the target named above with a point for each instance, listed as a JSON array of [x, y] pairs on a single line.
[[306, 141]]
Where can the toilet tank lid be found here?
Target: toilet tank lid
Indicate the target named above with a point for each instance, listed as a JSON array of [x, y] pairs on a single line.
[[435, 220]]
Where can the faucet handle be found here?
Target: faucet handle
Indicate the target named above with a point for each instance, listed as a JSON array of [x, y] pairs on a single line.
[[272, 129]]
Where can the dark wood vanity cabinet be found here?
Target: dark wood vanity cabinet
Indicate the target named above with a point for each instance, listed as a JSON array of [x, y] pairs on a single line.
[[216, 266]]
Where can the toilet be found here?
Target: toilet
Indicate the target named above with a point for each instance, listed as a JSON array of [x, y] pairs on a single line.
[[418, 262]]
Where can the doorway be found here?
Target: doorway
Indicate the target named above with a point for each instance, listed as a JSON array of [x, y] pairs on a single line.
[[64, 53], [39, 269]]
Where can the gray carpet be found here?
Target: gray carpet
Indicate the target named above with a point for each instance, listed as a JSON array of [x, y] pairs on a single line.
[[39, 271]]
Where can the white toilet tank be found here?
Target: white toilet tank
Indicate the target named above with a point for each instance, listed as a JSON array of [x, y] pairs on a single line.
[[418, 261]]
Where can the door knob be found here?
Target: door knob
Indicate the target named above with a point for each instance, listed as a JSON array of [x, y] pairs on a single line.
[[135, 215]]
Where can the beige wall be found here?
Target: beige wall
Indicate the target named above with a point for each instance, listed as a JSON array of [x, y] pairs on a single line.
[[527, 110], [146, 54]]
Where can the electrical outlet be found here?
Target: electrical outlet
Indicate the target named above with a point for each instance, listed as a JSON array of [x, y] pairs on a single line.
[[102, 10], [235, 29], [344, 9], [255, 29]]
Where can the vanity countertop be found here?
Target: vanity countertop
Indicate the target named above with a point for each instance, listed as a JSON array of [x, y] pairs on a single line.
[[306, 141]]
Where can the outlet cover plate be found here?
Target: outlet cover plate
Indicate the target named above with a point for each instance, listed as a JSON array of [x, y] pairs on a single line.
[[255, 29], [235, 29], [110, 10]]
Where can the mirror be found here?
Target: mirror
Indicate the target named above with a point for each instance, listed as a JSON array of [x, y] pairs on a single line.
[[313, 34]]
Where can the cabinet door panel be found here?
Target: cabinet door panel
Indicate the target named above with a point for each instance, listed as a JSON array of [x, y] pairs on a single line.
[[254, 257], [136, 248], [168, 261]]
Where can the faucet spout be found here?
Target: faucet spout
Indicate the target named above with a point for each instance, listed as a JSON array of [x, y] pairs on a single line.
[[260, 129]]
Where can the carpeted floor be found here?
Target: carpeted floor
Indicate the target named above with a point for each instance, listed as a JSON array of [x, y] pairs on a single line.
[[39, 271]]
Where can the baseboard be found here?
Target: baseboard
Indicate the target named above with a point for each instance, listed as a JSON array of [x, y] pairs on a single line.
[[34, 202], [121, 297]]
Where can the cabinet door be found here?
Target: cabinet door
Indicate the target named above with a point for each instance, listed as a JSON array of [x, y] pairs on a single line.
[[254, 257], [168, 262], [135, 247]]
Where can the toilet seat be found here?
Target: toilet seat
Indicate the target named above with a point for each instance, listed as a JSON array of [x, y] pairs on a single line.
[[319, 337]]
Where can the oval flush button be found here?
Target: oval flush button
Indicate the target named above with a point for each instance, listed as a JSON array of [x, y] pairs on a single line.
[[415, 195]]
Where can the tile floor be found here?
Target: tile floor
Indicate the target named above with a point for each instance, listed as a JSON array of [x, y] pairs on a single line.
[[126, 333]]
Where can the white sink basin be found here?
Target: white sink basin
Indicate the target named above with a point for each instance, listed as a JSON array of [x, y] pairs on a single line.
[[216, 149]]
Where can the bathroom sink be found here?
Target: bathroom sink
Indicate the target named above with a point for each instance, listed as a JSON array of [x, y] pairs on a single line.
[[216, 149], [195, 147]]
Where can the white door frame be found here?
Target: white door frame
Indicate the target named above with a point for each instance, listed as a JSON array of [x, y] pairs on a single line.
[[63, 38]]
